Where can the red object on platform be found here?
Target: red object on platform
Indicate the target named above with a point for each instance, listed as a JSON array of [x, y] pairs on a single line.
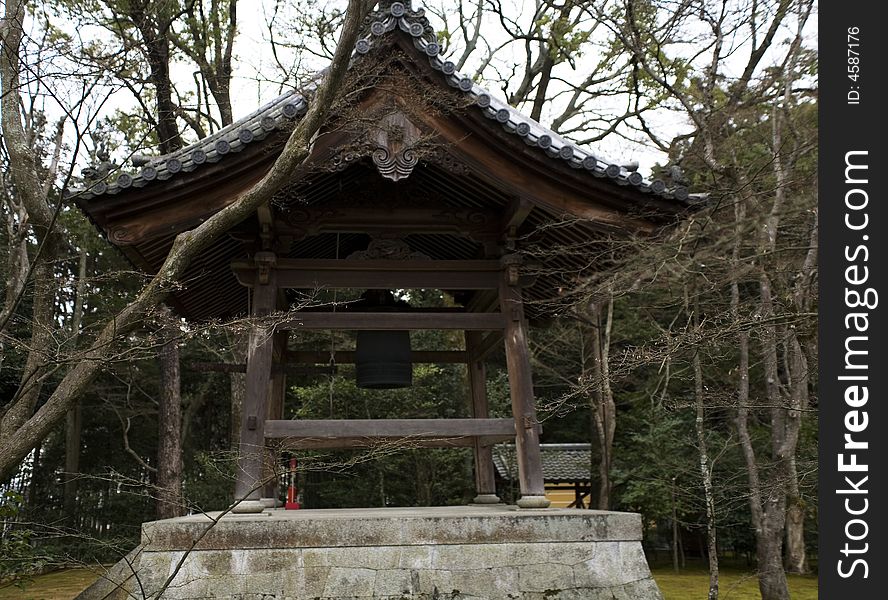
[[292, 502]]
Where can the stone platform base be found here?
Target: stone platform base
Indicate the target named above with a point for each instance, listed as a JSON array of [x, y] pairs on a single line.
[[489, 552]]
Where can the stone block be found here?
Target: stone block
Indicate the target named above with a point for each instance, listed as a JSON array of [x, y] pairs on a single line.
[[472, 581], [633, 563], [315, 581], [416, 557], [566, 553], [544, 576], [347, 582], [507, 580], [486, 524], [432, 581], [393, 582], [272, 561], [366, 557], [603, 570]]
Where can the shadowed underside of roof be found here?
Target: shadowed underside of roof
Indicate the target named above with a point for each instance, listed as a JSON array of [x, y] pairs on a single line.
[[210, 290]]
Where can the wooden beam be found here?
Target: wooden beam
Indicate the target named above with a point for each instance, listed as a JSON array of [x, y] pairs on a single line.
[[378, 274], [322, 357], [318, 368], [483, 301], [527, 426], [304, 221], [487, 345], [485, 484], [395, 321], [277, 394], [384, 443], [389, 428], [248, 484], [522, 174], [519, 210]]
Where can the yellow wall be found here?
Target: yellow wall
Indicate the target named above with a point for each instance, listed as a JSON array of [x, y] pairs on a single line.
[[561, 496]]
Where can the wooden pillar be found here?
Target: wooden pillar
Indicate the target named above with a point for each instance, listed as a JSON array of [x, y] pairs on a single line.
[[276, 394], [251, 451], [527, 427], [485, 485]]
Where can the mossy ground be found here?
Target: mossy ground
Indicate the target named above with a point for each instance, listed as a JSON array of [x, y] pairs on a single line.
[[734, 584], [59, 585], [690, 584]]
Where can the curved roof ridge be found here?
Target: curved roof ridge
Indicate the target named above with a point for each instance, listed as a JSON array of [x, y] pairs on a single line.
[[230, 139], [397, 16], [389, 17]]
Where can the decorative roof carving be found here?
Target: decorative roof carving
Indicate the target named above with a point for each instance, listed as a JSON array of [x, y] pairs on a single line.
[[387, 249], [395, 139]]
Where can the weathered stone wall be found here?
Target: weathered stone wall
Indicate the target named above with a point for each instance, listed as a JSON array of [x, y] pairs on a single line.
[[554, 554]]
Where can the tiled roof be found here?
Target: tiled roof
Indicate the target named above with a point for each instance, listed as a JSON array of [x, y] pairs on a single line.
[[561, 462], [211, 149], [395, 18]]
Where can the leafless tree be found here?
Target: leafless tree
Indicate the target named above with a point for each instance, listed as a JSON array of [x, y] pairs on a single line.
[[22, 426]]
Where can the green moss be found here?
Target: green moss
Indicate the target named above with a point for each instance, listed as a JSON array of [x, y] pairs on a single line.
[[60, 585], [733, 583]]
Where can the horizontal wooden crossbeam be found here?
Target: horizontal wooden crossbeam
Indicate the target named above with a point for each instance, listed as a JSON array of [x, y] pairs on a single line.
[[389, 428], [322, 357], [395, 321], [378, 274], [293, 443], [318, 368], [304, 221]]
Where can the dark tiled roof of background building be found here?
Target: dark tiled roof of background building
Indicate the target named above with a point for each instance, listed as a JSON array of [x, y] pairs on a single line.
[[561, 462]]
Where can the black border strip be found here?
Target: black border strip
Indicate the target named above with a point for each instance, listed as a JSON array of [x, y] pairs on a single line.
[[853, 562]]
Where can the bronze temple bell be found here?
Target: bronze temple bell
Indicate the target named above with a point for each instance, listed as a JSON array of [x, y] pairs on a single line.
[[383, 359]]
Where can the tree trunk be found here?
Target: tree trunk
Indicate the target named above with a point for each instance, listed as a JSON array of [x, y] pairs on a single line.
[[796, 559], [156, 48], [26, 397], [784, 435], [72, 458], [169, 425], [769, 552], [675, 566], [17, 260], [604, 416], [74, 421], [705, 462]]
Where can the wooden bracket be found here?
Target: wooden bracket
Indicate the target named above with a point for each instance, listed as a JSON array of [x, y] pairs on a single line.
[[265, 262], [511, 264]]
